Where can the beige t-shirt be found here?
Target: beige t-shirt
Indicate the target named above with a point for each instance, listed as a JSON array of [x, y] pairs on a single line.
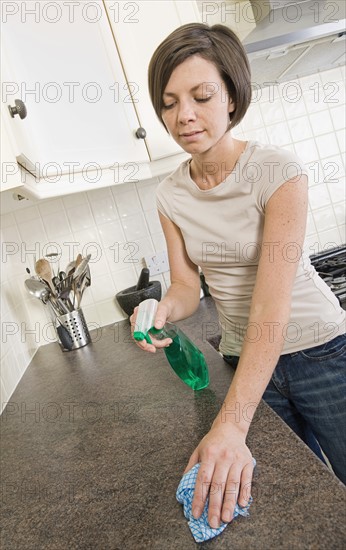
[[223, 228]]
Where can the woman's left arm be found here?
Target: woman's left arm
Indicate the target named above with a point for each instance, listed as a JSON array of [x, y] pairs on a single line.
[[226, 463]]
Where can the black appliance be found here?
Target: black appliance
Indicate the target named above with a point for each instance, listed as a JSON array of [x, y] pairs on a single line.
[[331, 267]]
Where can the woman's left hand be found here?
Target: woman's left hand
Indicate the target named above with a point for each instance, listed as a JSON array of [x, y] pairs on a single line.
[[225, 473]]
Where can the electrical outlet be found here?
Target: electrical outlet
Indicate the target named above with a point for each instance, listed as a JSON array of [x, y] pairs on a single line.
[[157, 263]]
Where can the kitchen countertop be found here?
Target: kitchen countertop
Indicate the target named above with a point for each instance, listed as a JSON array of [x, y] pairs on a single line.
[[94, 443]]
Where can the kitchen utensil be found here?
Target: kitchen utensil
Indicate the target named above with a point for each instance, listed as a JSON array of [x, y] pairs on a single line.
[[64, 337], [65, 292], [81, 267], [62, 277], [29, 273], [62, 282], [43, 270], [143, 281], [76, 326], [85, 282], [129, 298], [88, 274], [62, 332], [77, 276], [56, 282], [37, 289], [65, 285], [77, 290], [67, 282], [43, 293], [61, 305], [64, 295], [50, 257], [70, 268]]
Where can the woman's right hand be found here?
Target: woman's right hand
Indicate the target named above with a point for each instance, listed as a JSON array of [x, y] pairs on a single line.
[[160, 319]]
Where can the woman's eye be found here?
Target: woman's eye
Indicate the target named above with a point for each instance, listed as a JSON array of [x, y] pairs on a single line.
[[198, 99]]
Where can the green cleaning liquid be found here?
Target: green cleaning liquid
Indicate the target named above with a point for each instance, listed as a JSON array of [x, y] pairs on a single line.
[[185, 358]]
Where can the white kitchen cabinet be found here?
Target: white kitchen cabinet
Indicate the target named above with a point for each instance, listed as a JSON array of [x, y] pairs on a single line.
[[139, 27], [80, 69], [10, 171], [62, 62]]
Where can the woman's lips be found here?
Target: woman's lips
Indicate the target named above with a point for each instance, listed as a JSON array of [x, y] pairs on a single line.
[[190, 136]]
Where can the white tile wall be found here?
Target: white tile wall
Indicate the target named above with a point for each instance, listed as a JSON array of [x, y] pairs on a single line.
[[119, 225]]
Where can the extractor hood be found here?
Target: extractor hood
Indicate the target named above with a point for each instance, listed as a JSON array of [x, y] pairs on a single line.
[[295, 38]]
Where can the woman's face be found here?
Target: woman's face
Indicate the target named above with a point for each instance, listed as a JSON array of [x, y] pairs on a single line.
[[196, 105]]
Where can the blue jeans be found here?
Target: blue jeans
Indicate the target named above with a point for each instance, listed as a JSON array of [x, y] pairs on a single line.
[[308, 391]]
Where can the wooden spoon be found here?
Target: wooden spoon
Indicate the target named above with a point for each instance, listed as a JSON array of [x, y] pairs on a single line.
[[44, 271]]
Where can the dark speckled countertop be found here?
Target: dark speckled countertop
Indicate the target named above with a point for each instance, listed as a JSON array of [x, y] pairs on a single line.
[[94, 443]]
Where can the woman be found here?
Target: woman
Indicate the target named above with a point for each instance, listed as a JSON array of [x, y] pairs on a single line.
[[238, 209]]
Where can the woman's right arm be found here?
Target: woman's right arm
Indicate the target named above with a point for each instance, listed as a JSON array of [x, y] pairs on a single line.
[[182, 297]]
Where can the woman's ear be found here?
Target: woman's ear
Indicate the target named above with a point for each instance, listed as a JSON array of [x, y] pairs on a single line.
[[231, 106]]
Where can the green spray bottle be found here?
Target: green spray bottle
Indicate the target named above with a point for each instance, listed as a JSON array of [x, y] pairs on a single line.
[[185, 358]]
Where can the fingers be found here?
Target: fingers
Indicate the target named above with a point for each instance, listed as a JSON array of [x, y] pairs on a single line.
[[203, 483], [156, 344], [225, 485], [161, 316], [216, 494], [237, 489], [231, 493], [159, 322], [133, 318], [245, 484]]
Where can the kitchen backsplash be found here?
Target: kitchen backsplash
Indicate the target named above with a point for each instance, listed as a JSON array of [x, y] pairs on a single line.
[[119, 225]]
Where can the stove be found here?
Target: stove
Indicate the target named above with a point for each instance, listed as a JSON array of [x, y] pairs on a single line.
[[331, 267]]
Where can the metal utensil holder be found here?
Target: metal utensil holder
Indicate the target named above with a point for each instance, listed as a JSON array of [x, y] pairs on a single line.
[[73, 330]]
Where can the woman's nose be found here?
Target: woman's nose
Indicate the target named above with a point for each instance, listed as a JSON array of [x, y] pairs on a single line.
[[186, 113]]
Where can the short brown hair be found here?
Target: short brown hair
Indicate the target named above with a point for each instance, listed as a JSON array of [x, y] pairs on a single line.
[[217, 44]]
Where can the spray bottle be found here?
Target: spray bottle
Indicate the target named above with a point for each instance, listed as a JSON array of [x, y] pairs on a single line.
[[185, 358]]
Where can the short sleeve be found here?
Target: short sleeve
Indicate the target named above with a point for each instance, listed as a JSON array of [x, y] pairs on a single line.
[[164, 197], [273, 168]]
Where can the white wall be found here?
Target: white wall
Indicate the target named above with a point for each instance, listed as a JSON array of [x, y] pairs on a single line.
[[307, 116]]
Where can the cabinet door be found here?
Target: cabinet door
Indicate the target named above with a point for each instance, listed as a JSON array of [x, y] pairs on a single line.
[[61, 61], [10, 171], [139, 27]]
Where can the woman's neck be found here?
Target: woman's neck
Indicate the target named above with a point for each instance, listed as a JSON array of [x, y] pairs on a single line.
[[212, 167]]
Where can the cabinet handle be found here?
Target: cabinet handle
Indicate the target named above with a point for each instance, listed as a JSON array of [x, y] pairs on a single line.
[[19, 109], [141, 133]]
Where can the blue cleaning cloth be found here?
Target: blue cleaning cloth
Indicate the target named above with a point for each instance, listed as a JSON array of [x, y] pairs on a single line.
[[200, 527]]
